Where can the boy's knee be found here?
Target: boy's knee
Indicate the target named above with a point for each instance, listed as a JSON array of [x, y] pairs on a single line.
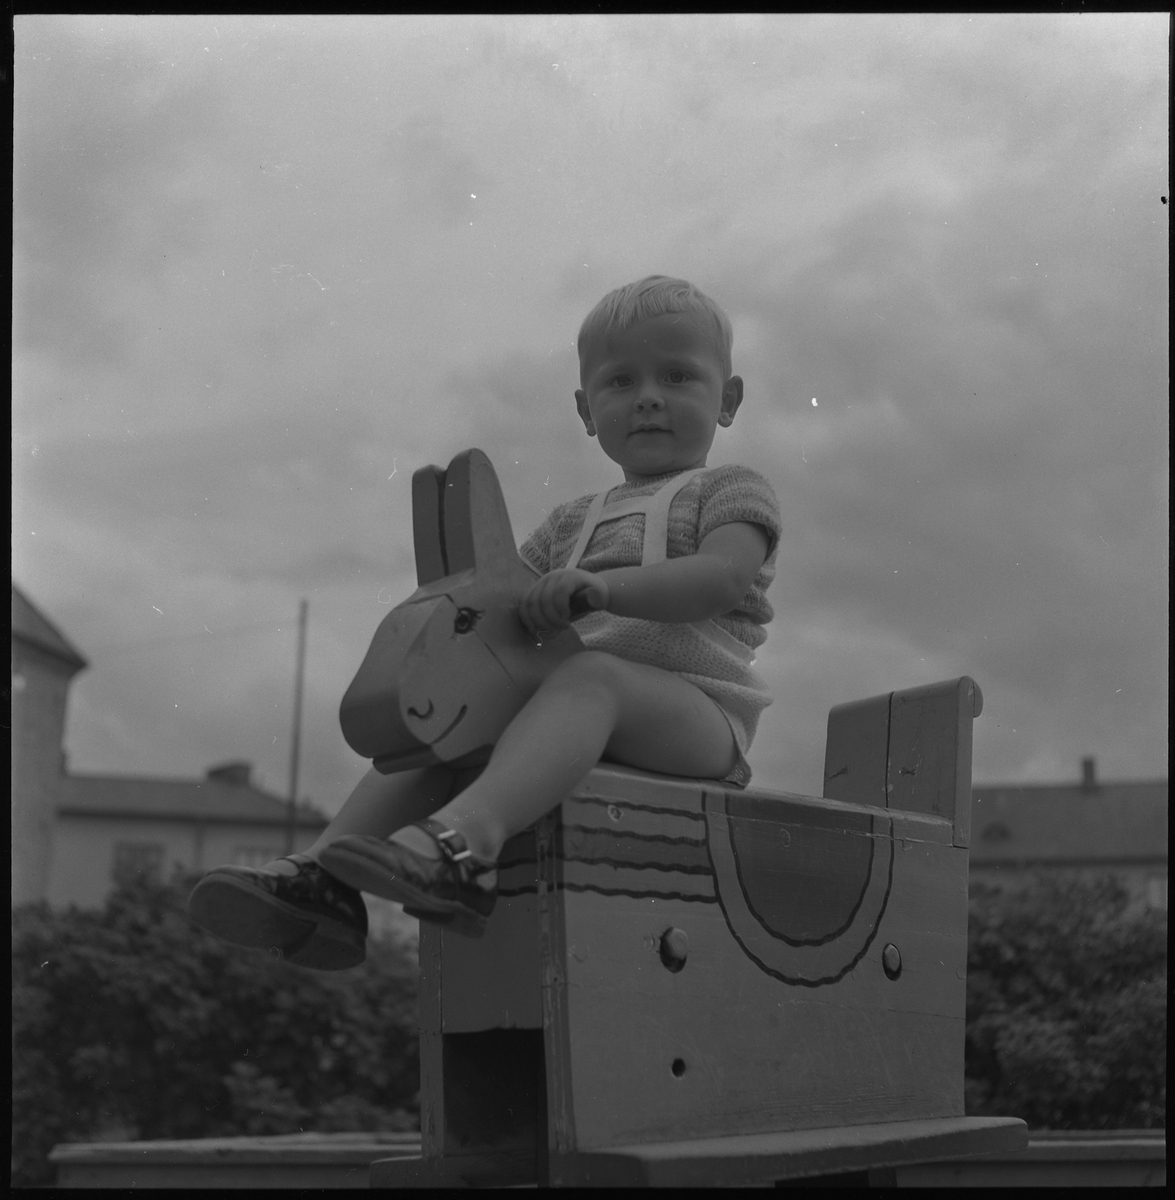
[[586, 668]]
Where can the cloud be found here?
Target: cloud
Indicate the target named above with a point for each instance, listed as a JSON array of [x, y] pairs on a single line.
[[983, 472], [264, 268]]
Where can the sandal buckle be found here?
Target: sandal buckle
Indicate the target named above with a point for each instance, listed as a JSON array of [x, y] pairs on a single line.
[[450, 853]]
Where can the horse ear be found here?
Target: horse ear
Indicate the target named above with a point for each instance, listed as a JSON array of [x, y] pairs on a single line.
[[476, 523], [427, 535]]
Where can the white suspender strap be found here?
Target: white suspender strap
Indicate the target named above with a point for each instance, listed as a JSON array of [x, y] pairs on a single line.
[[625, 508], [655, 509], [657, 517], [589, 526]]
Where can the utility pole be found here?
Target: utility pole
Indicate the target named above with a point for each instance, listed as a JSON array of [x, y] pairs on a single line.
[[296, 741]]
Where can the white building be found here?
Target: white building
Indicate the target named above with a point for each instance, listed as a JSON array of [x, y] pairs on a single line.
[[110, 824], [1087, 828], [72, 835]]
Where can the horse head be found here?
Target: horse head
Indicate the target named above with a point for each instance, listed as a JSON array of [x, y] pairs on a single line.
[[450, 667]]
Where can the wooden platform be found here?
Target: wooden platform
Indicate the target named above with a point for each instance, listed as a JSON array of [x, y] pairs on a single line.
[[297, 1160], [1057, 1158], [1079, 1158]]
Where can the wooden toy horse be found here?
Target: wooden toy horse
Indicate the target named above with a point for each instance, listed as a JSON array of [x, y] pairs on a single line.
[[682, 983], [449, 668]]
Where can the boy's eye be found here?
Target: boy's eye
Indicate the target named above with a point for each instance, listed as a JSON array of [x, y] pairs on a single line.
[[676, 376], [622, 381]]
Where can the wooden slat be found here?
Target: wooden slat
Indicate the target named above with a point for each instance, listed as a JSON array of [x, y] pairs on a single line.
[[426, 524], [432, 1095], [622, 784], [855, 753], [469, 1170], [476, 521], [494, 982], [199, 1177], [457, 522], [428, 998], [933, 979], [432, 1099], [556, 1031], [929, 766], [763, 1158], [917, 827]]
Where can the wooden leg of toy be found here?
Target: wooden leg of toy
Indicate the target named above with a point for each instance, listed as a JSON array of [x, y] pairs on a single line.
[[483, 1111]]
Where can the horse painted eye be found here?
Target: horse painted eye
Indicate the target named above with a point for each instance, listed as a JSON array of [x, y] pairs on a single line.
[[466, 619]]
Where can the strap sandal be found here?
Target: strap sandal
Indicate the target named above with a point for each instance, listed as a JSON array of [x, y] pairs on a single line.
[[309, 918], [456, 889]]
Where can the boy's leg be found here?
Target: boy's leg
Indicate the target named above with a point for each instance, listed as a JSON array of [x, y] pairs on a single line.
[[295, 908], [593, 706], [381, 804]]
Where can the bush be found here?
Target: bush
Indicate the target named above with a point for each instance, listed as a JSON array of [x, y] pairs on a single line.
[[1066, 1006], [133, 1023]]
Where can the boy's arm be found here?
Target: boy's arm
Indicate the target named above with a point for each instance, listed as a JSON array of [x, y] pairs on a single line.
[[691, 588], [694, 587]]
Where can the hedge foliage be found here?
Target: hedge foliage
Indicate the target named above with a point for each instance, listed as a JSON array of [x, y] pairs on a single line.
[[1067, 1006], [133, 1023]]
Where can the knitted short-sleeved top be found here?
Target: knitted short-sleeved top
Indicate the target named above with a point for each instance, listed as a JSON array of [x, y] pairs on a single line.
[[715, 497]]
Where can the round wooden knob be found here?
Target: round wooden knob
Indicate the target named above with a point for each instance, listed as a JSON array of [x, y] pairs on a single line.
[[891, 960], [674, 949]]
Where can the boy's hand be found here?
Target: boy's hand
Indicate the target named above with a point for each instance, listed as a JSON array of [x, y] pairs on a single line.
[[557, 597]]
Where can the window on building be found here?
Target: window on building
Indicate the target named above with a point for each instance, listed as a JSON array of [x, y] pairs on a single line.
[[1156, 892], [255, 856], [997, 831], [136, 860]]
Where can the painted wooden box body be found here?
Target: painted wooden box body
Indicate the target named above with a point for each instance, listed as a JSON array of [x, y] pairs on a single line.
[[673, 959]]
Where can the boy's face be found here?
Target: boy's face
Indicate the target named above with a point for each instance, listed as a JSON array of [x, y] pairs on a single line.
[[654, 395]]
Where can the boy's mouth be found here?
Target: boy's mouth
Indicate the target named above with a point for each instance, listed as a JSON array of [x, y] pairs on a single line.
[[650, 429]]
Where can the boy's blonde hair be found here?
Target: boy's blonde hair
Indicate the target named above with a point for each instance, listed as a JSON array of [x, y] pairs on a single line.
[[654, 296]]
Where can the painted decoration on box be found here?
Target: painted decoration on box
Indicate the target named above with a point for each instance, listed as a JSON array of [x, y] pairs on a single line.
[[802, 887]]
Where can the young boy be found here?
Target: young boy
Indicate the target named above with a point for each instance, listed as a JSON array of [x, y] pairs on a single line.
[[675, 562]]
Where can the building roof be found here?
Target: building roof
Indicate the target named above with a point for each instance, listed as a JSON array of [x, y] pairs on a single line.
[[211, 799], [30, 625], [1069, 824]]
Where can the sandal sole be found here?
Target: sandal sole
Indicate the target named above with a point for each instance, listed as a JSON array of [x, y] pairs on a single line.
[[366, 873], [231, 910]]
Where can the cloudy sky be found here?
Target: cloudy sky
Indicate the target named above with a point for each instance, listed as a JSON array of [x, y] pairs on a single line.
[[267, 267]]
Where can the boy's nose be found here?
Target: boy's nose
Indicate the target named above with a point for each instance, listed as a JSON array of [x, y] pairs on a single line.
[[649, 398]]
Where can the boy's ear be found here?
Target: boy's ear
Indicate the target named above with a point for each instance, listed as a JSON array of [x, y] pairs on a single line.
[[732, 397], [585, 415]]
